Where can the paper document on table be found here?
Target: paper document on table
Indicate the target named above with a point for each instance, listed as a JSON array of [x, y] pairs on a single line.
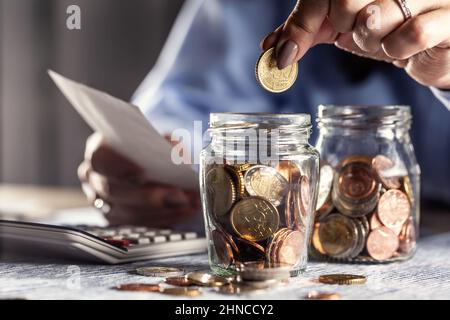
[[127, 131]]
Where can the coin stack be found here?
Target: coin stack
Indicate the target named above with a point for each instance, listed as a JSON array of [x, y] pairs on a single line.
[[364, 211], [258, 213]]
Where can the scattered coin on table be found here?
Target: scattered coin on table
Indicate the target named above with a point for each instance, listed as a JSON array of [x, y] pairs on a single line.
[[141, 287], [159, 272], [342, 279], [317, 295]]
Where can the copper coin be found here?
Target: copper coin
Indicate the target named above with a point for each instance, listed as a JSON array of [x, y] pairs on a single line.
[[381, 164], [325, 185], [357, 181], [291, 248], [407, 236], [250, 246], [382, 243], [254, 218], [220, 191], [393, 208], [354, 209], [374, 221], [266, 182], [289, 170], [342, 279], [222, 247], [316, 295], [270, 256], [179, 281], [184, 292], [141, 287], [276, 245], [338, 235]]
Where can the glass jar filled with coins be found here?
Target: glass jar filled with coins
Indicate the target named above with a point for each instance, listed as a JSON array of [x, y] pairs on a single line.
[[258, 180], [368, 199]]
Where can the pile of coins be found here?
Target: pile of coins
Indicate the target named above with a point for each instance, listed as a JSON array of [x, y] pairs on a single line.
[[258, 213], [253, 277], [364, 211]]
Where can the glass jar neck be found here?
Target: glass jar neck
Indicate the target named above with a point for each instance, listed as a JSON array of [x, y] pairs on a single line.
[[363, 119], [242, 135]]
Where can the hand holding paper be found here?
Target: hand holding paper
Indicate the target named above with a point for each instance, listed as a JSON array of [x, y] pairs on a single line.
[[128, 132]]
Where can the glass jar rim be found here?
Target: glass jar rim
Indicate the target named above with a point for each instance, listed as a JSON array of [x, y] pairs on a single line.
[[354, 116], [249, 120]]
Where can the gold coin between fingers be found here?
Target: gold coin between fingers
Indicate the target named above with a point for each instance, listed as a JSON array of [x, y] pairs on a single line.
[[342, 279], [270, 77]]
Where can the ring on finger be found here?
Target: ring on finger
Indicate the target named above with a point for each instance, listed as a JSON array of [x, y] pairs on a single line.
[[405, 9]]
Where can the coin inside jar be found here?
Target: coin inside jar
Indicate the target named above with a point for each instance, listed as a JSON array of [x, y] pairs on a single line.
[[393, 209], [139, 287], [338, 235], [382, 243], [290, 248], [381, 164], [266, 182], [222, 247], [254, 218], [270, 77], [357, 181], [221, 191]]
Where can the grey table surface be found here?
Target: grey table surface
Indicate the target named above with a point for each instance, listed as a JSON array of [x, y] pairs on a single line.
[[425, 276]]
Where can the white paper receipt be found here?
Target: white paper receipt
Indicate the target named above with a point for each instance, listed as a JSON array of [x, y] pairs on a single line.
[[126, 130]]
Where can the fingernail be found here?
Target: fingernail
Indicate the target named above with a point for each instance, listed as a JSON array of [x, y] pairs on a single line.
[[287, 54], [269, 41]]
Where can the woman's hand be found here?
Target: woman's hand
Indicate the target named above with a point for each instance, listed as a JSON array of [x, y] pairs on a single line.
[[133, 200], [380, 30]]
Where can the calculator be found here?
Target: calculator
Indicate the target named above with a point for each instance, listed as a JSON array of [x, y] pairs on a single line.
[[111, 245]]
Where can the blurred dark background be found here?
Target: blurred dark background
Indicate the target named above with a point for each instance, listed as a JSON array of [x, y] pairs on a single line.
[[41, 137]]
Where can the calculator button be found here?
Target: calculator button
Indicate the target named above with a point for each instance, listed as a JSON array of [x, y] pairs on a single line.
[[175, 237], [164, 232], [158, 239], [190, 235], [150, 233], [143, 241]]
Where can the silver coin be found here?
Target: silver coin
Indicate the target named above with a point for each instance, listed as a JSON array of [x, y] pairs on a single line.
[[266, 182], [260, 271], [207, 279], [163, 272]]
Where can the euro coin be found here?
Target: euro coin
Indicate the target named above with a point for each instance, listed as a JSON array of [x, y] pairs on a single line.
[[159, 272], [254, 219], [270, 77], [342, 279], [266, 182], [220, 191], [139, 287]]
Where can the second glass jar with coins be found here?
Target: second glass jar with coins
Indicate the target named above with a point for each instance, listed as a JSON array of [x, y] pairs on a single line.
[[258, 179], [368, 198]]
